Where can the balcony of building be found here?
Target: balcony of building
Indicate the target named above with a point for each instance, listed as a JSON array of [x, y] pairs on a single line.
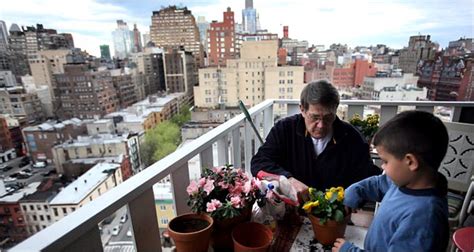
[[235, 142]]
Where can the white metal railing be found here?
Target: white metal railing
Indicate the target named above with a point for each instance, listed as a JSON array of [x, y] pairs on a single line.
[[79, 231]]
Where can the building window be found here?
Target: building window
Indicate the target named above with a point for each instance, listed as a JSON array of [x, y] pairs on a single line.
[[55, 210], [24, 208], [164, 220], [48, 217], [41, 217], [162, 207], [64, 210], [35, 218]]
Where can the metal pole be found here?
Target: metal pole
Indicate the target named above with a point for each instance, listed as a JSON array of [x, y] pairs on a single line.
[[249, 119]]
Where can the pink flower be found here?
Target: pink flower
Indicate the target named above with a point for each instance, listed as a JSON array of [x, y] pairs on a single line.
[[223, 185], [192, 188], [217, 169], [209, 186], [247, 186], [202, 181], [235, 201], [213, 205], [237, 189]]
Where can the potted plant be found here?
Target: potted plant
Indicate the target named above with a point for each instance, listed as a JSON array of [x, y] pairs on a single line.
[[367, 126], [227, 195], [191, 232], [326, 213]]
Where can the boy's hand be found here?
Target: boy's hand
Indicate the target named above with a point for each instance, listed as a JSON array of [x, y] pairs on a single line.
[[338, 244]]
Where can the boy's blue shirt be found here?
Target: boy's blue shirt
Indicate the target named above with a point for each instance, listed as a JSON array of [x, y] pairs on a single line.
[[406, 220]]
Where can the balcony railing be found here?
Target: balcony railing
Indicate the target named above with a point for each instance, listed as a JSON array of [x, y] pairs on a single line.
[[79, 231]]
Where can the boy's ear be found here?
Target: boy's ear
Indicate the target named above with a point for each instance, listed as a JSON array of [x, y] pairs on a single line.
[[411, 162]]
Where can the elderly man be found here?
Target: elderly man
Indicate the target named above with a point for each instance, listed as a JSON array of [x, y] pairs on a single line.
[[315, 148]]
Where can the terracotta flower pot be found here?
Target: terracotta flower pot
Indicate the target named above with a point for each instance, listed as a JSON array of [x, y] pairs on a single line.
[[331, 230], [251, 237], [221, 238], [191, 232]]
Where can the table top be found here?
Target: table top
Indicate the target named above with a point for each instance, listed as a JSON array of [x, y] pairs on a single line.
[[305, 241], [291, 236]]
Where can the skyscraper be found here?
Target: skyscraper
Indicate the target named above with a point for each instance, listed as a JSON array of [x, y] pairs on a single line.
[[105, 52], [203, 25], [173, 27], [249, 17], [221, 37], [137, 39], [122, 38], [3, 36]]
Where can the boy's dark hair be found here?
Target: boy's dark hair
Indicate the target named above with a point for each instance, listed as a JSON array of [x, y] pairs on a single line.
[[319, 92], [417, 132]]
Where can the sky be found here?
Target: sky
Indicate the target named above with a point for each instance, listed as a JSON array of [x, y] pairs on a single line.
[[320, 22]]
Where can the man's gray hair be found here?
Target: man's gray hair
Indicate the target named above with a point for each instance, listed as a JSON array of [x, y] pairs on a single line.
[[320, 92]]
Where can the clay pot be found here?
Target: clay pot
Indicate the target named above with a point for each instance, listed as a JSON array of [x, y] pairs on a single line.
[[251, 237], [221, 238], [331, 230], [191, 232]]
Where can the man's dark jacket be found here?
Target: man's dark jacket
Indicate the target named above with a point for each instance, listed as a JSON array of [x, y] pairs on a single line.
[[289, 151]]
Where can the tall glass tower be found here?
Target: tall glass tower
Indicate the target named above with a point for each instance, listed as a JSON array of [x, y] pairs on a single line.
[[122, 38], [249, 17]]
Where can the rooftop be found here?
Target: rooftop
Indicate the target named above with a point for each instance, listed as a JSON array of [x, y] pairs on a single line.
[[82, 186], [52, 125], [95, 139], [19, 194]]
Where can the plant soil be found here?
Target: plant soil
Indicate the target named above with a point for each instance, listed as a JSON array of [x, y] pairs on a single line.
[[188, 226]]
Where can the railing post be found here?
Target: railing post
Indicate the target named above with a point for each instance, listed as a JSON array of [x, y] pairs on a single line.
[[267, 121], [258, 125], [456, 114], [387, 112], [222, 151], [352, 110], [179, 182], [236, 150], [247, 145], [206, 158], [145, 225], [90, 241], [425, 108], [293, 109]]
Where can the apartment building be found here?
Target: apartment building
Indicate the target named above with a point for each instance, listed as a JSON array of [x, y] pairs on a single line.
[[96, 146], [41, 139], [86, 188], [252, 78], [20, 104]]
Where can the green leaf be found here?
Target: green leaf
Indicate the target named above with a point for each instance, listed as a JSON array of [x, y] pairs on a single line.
[[338, 215]]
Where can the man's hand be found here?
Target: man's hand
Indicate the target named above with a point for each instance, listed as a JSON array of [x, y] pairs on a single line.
[[338, 244], [300, 188]]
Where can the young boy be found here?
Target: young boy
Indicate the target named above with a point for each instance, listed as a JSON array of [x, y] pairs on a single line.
[[413, 213]]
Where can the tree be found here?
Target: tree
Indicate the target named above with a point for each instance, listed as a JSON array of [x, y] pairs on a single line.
[[164, 138]]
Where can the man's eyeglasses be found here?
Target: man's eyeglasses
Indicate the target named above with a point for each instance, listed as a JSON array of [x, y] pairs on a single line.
[[315, 118]]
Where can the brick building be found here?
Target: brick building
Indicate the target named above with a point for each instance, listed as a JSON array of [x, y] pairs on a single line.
[[221, 40], [42, 138], [448, 78], [83, 93]]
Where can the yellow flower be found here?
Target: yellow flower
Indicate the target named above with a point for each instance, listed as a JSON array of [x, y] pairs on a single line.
[[340, 195], [328, 195], [308, 206], [311, 190]]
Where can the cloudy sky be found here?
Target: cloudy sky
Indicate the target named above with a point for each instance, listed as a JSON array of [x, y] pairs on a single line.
[[321, 22]]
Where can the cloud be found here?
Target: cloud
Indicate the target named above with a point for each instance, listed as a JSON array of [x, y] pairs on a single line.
[[362, 22]]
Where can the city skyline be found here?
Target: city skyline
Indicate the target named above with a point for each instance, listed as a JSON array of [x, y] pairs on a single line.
[[363, 23]]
